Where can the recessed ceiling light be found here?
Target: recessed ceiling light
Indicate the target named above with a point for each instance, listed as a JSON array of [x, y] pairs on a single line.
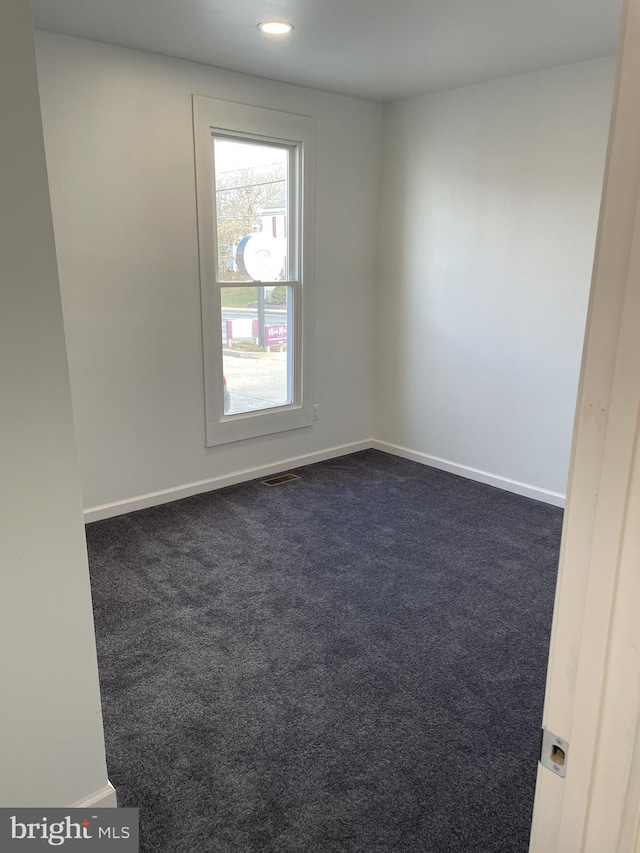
[[275, 28]]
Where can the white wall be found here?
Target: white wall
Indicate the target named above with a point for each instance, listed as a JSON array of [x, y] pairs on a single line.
[[489, 211], [119, 145], [51, 742], [488, 217]]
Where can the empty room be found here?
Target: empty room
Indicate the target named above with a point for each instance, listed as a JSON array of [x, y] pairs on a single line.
[[298, 406]]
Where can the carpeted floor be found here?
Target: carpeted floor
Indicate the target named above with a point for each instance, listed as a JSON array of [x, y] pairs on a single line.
[[354, 661]]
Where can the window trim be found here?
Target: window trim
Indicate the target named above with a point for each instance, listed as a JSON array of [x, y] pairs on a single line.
[[242, 121]]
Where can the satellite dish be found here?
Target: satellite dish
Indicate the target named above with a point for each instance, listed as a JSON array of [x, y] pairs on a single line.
[[260, 257]]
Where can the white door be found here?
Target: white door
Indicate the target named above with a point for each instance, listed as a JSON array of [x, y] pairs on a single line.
[[593, 682]]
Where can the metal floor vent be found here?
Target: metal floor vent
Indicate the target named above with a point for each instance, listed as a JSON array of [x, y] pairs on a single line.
[[281, 478]]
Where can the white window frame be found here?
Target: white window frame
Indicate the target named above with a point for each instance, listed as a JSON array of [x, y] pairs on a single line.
[[213, 117]]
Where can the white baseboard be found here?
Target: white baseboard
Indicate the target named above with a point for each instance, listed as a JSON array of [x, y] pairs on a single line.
[[97, 513], [109, 510], [535, 492], [105, 798]]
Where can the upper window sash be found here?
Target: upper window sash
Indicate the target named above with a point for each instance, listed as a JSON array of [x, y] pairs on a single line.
[[294, 185]]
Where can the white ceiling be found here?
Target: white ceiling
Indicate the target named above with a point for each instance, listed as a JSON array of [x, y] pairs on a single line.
[[378, 49]]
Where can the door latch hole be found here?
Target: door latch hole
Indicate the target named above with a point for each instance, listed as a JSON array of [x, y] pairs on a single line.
[[557, 755]]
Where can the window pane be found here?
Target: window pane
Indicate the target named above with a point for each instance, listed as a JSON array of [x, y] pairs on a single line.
[[251, 209], [255, 342]]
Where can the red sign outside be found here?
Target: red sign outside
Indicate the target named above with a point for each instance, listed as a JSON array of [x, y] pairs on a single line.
[[275, 335]]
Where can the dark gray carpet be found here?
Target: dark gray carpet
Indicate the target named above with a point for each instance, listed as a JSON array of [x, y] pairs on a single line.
[[354, 661]]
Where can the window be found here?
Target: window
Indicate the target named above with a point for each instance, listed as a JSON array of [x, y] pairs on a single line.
[[254, 177]]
